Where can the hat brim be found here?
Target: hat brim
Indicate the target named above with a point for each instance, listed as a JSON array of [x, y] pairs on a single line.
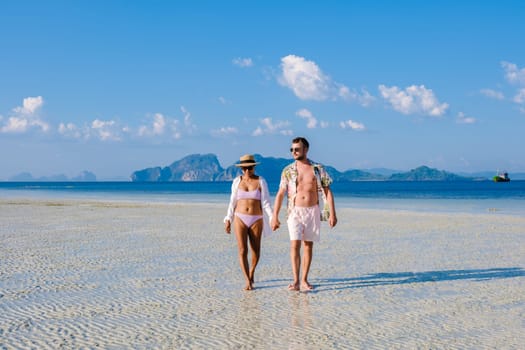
[[244, 165]]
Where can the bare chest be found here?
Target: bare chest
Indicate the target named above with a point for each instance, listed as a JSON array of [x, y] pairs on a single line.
[[306, 180]]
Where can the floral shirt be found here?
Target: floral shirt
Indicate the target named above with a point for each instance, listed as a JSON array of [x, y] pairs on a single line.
[[289, 181]]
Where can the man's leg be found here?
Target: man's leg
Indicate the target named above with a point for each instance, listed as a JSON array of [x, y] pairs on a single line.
[[308, 250], [295, 257]]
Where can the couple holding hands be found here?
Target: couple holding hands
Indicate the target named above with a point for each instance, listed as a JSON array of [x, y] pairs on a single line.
[[250, 211]]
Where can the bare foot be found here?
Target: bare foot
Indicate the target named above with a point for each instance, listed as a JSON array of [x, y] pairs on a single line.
[[306, 286], [249, 286], [294, 287]]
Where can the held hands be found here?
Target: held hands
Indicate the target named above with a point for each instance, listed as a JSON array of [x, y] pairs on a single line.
[[275, 223], [332, 221], [227, 226]]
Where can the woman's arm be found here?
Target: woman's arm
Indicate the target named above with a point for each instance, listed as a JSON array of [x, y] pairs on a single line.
[[233, 200], [265, 199]]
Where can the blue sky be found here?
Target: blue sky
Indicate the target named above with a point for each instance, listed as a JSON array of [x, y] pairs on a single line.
[[116, 86]]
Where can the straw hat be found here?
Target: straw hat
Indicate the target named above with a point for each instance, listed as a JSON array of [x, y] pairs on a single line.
[[246, 160]]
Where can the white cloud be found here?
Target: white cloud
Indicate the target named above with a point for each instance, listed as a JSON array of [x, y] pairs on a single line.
[[413, 100], [15, 125], [225, 131], [26, 117], [187, 116], [258, 132], [463, 119], [160, 125], [144, 131], [306, 79], [223, 100], [364, 98], [30, 105], [157, 127], [520, 97], [105, 130], [493, 94], [308, 82], [242, 62], [352, 125], [268, 127], [40, 124], [311, 121], [71, 130], [190, 127], [513, 74]]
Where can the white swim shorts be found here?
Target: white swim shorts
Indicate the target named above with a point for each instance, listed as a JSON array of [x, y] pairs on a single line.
[[304, 224]]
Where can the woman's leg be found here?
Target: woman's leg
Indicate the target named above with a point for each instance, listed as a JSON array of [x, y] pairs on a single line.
[[241, 233], [254, 235]]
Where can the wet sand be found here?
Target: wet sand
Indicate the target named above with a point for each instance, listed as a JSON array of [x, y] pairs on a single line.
[[116, 275]]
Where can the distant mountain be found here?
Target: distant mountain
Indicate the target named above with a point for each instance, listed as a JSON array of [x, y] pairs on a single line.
[[382, 171], [424, 173], [197, 167], [85, 176], [270, 168], [355, 175], [27, 177], [194, 167], [206, 167], [22, 177]]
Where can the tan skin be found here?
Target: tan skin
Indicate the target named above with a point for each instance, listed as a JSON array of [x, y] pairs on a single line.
[[307, 196], [248, 236]]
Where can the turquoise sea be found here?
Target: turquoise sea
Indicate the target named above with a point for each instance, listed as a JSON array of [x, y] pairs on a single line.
[[474, 197]]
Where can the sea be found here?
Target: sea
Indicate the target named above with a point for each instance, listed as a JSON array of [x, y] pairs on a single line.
[[466, 197]]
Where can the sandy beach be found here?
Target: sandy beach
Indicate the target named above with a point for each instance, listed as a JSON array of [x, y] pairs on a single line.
[[117, 275]]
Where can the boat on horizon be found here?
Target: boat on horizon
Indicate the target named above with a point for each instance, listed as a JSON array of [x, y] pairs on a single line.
[[501, 177]]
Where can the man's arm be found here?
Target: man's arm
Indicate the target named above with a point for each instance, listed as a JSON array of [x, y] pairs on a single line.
[[331, 204], [277, 208]]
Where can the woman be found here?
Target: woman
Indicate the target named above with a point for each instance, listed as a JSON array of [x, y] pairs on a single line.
[[249, 202]]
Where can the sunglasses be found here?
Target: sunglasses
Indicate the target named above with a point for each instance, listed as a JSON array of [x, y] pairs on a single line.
[[297, 149], [247, 168]]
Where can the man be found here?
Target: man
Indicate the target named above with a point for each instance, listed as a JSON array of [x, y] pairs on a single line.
[[304, 182]]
